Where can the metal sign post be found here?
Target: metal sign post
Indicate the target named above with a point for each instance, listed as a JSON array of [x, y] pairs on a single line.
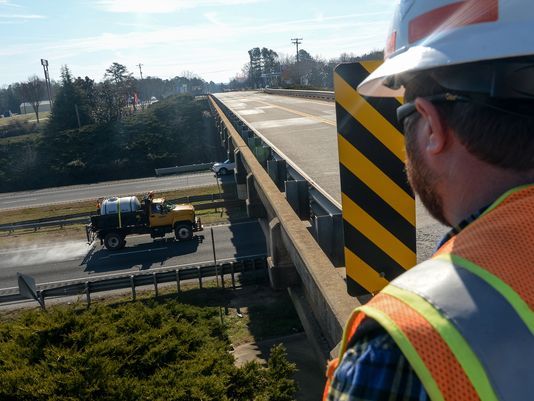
[[28, 289]]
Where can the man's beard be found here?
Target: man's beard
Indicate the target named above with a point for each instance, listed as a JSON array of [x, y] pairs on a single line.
[[422, 180]]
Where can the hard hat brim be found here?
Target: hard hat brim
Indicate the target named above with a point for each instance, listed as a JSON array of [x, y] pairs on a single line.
[[440, 50]]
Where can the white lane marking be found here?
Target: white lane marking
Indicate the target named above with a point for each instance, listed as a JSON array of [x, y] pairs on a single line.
[[297, 121], [205, 262], [132, 252], [251, 112]]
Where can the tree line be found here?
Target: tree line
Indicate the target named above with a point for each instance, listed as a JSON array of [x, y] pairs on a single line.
[[267, 68], [95, 132], [118, 83]]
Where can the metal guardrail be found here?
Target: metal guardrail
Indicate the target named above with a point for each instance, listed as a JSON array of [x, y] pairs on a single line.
[[82, 218], [183, 169], [323, 95], [244, 271]]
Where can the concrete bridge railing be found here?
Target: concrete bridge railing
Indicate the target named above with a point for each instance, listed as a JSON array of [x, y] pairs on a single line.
[[296, 261]]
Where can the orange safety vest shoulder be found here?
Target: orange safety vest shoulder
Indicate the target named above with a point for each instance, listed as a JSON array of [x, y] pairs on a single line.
[[464, 319]]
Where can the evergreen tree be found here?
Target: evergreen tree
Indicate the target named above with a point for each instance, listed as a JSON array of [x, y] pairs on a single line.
[[68, 98]]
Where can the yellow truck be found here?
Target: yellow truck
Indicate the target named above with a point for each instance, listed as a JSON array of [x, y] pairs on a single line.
[[117, 218]]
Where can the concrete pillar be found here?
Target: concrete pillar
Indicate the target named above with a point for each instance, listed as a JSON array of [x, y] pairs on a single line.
[[328, 231], [277, 170], [282, 272], [230, 150], [254, 206], [240, 176], [298, 197]]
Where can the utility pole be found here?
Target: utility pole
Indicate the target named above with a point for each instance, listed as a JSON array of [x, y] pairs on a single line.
[[140, 70], [44, 63], [297, 42]]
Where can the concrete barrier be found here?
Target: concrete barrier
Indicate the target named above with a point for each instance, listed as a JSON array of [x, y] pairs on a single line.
[[310, 94]]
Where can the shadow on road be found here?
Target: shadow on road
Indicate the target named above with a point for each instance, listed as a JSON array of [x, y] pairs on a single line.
[[143, 256]]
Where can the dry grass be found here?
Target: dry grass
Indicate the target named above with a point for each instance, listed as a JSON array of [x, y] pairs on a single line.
[[30, 117]]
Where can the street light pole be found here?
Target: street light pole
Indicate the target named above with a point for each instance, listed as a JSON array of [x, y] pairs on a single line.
[[44, 63]]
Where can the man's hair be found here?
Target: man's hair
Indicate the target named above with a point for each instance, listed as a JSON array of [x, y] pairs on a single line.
[[497, 137]]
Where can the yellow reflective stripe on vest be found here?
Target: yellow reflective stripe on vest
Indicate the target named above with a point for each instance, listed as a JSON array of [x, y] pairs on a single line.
[[348, 325], [519, 305], [454, 340], [407, 349], [503, 197]]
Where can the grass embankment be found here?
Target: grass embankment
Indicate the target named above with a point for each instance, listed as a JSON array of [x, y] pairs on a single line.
[[29, 117], [164, 349], [77, 232], [20, 139]]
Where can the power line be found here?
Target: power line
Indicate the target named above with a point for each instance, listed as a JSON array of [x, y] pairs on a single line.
[[140, 70], [297, 42]]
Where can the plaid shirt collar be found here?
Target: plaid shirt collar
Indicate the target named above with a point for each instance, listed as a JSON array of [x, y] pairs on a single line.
[[461, 225]]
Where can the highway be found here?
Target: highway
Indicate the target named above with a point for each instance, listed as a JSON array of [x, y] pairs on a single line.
[[304, 132], [76, 260], [11, 200]]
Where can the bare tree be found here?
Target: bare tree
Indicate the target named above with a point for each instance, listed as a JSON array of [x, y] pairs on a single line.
[[32, 92]]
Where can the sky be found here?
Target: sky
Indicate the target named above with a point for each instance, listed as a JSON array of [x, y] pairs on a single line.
[[209, 38]]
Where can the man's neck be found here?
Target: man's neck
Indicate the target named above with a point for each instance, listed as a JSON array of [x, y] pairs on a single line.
[[478, 186]]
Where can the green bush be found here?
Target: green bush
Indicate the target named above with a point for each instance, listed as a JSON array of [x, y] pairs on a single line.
[[134, 351], [171, 132]]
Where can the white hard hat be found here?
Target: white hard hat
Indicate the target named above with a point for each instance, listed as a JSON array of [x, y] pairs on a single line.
[[430, 34]]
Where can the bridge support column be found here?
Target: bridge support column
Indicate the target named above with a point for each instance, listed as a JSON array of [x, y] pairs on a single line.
[[328, 231], [277, 170], [240, 175], [282, 272], [230, 150], [223, 132], [298, 197], [254, 206]]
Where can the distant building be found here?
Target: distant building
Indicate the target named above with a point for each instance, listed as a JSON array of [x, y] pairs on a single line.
[[26, 108]]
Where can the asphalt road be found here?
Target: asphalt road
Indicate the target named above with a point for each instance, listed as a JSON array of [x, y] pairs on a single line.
[[11, 200], [76, 260]]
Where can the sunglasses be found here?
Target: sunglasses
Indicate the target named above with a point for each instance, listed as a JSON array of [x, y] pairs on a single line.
[[408, 109]]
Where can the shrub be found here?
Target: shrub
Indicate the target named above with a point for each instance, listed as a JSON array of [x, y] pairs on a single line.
[[134, 351]]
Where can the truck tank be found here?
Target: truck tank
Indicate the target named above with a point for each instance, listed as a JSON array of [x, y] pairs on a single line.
[[126, 204]]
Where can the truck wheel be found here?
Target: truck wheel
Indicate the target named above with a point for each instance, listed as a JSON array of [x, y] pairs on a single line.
[[183, 232], [223, 171], [114, 241]]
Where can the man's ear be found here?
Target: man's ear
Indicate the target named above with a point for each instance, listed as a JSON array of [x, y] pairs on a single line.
[[436, 132]]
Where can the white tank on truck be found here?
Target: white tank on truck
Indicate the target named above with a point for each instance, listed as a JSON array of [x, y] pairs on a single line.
[[126, 204]]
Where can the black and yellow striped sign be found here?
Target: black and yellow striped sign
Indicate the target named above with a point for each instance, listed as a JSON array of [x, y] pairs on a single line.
[[378, 204]]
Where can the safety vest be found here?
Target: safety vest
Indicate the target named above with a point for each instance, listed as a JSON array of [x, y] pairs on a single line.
[[464, 319]]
